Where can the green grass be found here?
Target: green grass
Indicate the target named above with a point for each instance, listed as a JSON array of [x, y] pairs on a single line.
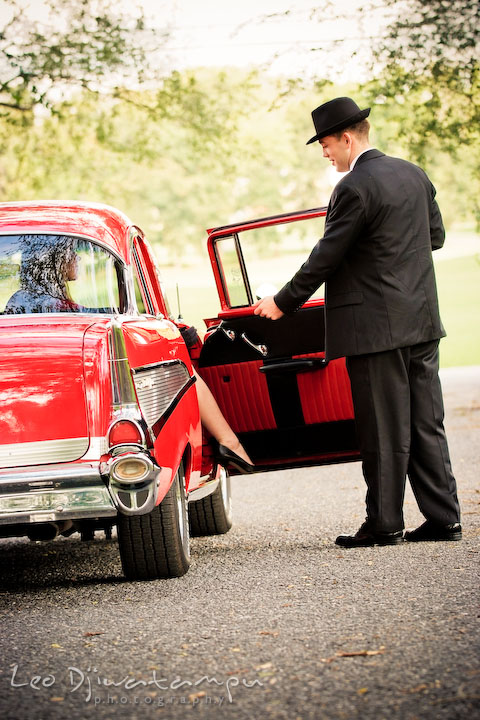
[[458, 283]]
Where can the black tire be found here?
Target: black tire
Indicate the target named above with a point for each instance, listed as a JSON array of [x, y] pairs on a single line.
[[212, 515], [157, 545]]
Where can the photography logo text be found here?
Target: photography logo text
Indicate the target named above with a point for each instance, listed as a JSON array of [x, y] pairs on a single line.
[[90, 685]]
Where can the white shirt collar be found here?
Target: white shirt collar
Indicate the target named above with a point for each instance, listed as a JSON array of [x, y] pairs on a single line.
[[353, 163]]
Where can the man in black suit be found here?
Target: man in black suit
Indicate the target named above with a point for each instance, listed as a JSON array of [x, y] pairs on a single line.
[[382, 314]]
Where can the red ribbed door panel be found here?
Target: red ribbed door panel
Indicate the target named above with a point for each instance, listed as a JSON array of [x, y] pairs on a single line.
[[325, 393], [242, 395]]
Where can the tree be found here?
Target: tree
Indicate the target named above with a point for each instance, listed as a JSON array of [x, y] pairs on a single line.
[[424, 33], [77, 43], [88, 47], [427, 68], [429, 60]]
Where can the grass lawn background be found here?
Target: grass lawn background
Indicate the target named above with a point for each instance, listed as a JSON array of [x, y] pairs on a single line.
[[458, 282]]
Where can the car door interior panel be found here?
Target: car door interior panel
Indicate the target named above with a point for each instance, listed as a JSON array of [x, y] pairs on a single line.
[[289, 406]]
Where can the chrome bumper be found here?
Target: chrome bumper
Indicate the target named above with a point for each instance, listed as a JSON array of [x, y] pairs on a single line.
[[69, 491], [48, 493]]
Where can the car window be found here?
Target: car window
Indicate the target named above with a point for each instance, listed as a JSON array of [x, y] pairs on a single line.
[[233, 271], [138, 296], [58, 273], [259, 261]]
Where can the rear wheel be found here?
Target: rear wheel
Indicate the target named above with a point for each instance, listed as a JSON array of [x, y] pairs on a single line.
[[157, 545], [212, 515]]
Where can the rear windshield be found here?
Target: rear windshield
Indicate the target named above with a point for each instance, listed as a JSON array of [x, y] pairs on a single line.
[[58, 273]]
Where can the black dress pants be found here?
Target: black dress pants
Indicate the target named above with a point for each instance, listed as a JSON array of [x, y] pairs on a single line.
[[399, 413]]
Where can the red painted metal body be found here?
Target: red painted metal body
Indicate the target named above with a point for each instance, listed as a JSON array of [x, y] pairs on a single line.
[[99, 222], [55, 369], [42, 375]]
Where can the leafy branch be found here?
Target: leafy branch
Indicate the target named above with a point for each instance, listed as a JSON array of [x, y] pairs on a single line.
[[79, 42]]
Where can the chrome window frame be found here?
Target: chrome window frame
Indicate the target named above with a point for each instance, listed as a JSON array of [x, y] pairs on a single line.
[[135, 232]]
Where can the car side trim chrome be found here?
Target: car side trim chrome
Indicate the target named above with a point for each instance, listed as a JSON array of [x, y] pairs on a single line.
[[174, 403], [98, 447], [54, 475], [42, 452], [203, 491]]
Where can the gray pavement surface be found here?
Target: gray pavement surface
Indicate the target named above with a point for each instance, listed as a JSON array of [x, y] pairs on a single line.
[[272, 621]]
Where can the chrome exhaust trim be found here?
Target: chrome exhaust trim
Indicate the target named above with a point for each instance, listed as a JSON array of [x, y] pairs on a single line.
[[133, 494]]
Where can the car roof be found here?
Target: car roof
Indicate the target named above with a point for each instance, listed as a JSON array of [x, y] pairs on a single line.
[[92, 220]]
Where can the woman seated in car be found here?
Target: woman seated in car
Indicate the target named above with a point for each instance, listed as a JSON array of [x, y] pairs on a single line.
[[48, 264]]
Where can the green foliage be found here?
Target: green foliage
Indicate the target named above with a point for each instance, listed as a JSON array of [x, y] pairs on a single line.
[[425, 33], [428, 74], [191, 150], [223, 149], [77, 42]]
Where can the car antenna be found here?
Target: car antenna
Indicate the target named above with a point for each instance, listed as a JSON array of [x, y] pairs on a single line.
[[179, 315]]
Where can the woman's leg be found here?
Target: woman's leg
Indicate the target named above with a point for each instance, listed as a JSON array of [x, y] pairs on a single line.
[[214, 421]]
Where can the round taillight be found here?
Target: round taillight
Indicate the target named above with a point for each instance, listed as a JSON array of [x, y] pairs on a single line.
[[124, 432]]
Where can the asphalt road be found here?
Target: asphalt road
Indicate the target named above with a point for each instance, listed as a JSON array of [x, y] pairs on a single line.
[[272, 621]]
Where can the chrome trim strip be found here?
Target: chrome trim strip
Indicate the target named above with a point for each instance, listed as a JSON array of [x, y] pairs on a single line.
[[173, 405], [206, 489], [42, 452], [162, 363], [50, 474]]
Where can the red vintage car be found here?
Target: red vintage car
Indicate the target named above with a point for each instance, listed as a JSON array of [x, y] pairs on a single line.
[[99, 417]]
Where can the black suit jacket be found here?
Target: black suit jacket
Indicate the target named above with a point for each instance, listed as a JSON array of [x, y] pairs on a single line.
[[376, 259]]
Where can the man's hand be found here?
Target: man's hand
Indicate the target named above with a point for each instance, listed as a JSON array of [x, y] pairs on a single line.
[[268, 308]]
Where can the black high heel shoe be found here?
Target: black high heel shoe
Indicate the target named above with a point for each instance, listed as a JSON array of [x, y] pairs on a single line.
[[224, 457]]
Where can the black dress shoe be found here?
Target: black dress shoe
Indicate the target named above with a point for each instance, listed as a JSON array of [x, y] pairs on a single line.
[[431, 531], [225, 457], [365, 537]]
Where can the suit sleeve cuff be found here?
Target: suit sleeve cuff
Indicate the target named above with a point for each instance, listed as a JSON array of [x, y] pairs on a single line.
[[282, 302]]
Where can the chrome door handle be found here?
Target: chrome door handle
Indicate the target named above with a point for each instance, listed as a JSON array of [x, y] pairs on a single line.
[[262, 349], [231, 334]]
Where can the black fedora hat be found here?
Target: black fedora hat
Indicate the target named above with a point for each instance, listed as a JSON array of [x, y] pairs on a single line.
[[335, 115]]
